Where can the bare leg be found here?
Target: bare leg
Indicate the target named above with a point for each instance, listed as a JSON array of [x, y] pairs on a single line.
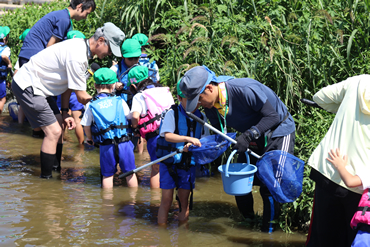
[[107, 182], [164, 208], [140, 145], [154, 176], [132, 181], [53, 133], [184, 200], [2, 103], [79, 130]]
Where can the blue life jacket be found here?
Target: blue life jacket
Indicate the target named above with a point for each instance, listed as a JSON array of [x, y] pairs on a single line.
[[153, 69], [110, 122], [3, 65], [122, 75], [185, 127]]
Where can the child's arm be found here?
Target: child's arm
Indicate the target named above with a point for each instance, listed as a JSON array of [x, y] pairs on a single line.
[[89, 139], [174, 138], [7, 61], [340, 163]]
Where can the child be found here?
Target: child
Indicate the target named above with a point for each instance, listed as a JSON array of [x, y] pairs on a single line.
[[5, 63], [144, 59], [149, 100], [177, 131], [105, 122], [361, 219], [131, 51]]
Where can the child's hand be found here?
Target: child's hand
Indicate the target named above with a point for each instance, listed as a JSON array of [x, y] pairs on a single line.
[[336, 159], [194, 141], [119, 86]]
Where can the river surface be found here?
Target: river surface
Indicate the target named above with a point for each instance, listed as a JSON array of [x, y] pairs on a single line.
[[72, 210]]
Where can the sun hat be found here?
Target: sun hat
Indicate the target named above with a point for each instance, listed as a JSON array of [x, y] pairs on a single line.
[[75, 34], [115, 36], [131, 48], [142, 38], [179, 93], [4, 31], [193, 84], [137, 74], [24, 34], [105, 76]]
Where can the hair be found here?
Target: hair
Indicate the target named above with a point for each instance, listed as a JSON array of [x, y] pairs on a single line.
[[104, 86], [5, 38], [142, 85], [86, 4], [99, 33]]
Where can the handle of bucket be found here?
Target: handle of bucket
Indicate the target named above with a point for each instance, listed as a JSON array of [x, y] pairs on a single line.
[[229, 160]]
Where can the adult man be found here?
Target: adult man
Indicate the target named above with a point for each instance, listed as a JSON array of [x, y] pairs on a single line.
[[250, 108], [56, 70], [53, 27]]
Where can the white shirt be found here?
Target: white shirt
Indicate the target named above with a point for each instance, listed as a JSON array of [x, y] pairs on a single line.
[[88, 117], [350, 130], [55, 69], [169, 126], [6, 52], [139, 105]]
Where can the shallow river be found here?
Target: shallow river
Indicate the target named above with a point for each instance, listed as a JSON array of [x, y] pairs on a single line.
[[72, 210]]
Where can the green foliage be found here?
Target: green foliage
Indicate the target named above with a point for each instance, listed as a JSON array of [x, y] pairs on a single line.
[[294, 47]]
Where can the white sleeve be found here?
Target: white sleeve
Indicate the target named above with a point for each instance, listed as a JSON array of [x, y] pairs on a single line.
[[6, 52], [168, 124], [139, 105], [16, 66], [364, 176], [76, 75], [206, 130], [126, 109], [88, 117], [114, 68]]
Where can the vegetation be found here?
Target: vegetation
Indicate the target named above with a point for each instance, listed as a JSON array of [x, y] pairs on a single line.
[[295, 47]]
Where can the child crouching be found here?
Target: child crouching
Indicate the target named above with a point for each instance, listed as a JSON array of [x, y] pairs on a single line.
[[177, 131], [106, 122]]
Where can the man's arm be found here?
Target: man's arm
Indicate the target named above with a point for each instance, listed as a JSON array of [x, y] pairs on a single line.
[[53, 40], [83, 97]]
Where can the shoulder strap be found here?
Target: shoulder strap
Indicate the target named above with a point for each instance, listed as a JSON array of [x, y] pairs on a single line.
[[176, 112]]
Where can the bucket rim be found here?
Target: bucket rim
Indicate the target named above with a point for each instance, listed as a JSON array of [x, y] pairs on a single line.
[[239, 173]]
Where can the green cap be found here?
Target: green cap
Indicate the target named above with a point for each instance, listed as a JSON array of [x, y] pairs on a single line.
[[131, 48], [24, 34], [75, 34], [105, 76], [142, 38], [4, 31], [137, 74], [179, 93]]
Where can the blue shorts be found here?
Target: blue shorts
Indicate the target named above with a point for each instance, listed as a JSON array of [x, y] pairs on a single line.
[[151, 145], [2, 89], [74, 105], [185, 178], [108, 163], [362, 239]]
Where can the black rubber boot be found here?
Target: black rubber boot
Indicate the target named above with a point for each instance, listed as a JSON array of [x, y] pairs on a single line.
[[47, 161], [58, 157], [38, 134]]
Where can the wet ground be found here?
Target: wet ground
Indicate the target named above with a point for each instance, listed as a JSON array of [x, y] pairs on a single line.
[[72, 210]]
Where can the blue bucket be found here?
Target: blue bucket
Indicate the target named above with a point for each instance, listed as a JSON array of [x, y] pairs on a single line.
[[237, 178]]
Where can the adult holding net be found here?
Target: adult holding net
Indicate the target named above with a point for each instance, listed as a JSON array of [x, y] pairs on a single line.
[[252, 109]]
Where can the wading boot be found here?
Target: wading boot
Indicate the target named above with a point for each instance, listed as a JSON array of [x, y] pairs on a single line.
[[47, 161], [58, 158]]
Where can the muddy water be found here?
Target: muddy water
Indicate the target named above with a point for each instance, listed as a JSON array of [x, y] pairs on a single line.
[[72, 210]]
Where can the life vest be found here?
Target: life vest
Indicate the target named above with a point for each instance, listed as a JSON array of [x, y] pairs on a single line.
[[362, 215], [157, 100], [122, 75], [110, 122], [153, 72], [184, 127], [3, 65]]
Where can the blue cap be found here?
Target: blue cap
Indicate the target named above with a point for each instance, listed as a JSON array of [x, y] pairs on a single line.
[[193, 84]]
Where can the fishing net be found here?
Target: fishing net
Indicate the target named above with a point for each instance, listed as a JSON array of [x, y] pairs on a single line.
[[212, 147], [282, 173]]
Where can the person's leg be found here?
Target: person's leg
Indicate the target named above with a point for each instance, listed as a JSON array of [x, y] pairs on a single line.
[[2, 94], [79, 130], [164, 208], [2, 103], [140, 145], [154, 174], [127, 162], [21, 115], [183, 195], [107, 182]]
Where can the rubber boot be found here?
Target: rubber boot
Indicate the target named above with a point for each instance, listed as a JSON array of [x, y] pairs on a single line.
[[58, 157], [47, 161]]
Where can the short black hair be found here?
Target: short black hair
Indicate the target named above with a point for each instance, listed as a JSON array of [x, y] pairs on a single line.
[[86, 4]]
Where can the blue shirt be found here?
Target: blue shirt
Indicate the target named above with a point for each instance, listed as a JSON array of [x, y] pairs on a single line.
[[56, 23], [246, 98]]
